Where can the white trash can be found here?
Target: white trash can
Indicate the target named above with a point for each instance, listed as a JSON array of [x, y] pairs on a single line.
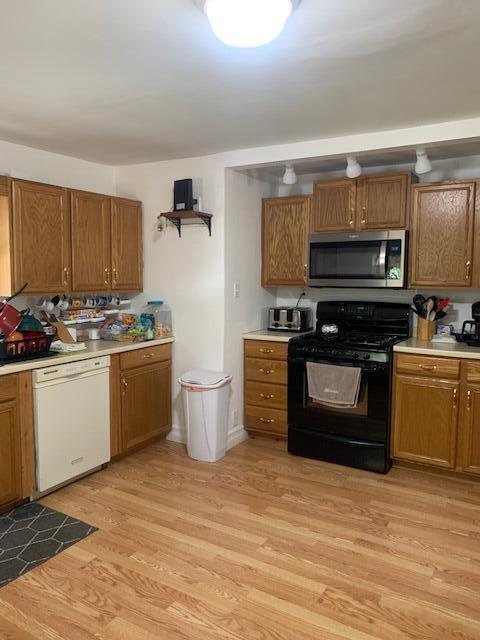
[[205, 400]]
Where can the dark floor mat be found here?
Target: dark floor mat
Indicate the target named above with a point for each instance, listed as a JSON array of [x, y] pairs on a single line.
[[31, 534]]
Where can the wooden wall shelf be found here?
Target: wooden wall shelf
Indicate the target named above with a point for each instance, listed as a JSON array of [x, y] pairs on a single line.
[[191, 218]]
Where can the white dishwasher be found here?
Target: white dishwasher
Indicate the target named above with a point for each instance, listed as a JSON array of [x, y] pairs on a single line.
[[72, 420]]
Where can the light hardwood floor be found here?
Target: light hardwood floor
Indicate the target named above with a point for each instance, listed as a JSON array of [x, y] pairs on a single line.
[[260, 546]]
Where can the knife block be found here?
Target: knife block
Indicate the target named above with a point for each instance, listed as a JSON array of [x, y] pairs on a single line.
[[426, 329]]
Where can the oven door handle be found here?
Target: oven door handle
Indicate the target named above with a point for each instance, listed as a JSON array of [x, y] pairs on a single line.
[[382, 259]]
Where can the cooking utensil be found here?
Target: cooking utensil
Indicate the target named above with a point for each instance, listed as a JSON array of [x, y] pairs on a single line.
[[419, 303], [10, 317], [429, 308]]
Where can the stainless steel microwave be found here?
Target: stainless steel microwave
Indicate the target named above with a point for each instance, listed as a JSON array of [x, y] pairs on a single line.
[[365, 259]]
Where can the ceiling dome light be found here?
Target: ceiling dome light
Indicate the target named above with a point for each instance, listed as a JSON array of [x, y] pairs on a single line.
[[248, 23], [423, 164], [289, 177], [354, 170]]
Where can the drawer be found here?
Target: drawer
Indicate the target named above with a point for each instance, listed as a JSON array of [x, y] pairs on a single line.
[[268, 421], [266, 349], [428, 366], [472, 368], [147, 355], [269, 371], [8, 387], [273, 396]]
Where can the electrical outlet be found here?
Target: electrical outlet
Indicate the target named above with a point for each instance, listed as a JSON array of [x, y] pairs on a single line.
[[235, 417], [236, 290]]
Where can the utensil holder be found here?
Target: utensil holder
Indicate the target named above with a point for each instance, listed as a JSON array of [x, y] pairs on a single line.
[[426, 329]]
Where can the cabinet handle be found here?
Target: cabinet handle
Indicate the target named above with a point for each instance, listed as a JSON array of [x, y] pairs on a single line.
[[469, 400], [115, 275], [454, 398], [352, 217], [428, 367], [267, 396], [125, 386], [66, 276], [267, 372], [267, 420], [305, 272], [267, 350], [468, 270], [364, 215], [107, 276], [148, 355]]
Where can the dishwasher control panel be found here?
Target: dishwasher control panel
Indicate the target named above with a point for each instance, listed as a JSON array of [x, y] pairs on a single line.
[[70, 369]]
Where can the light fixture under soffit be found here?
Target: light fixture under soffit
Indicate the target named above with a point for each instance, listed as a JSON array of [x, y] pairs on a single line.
[[354, 170], [289, 177], [247, 23], [423, 164]]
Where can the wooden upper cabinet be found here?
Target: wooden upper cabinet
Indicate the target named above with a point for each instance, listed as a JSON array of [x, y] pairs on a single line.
[[334, 205], [425, 420], [285, 229], [382, 201], [91, 242], [127, 261], [41, 237], [442, 235]]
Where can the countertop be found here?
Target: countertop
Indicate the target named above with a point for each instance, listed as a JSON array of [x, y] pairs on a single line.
[[273, 336], [94, 348], [446, 350]]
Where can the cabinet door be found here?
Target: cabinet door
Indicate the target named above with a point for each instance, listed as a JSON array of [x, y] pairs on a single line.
[[41, 231], [285, 229], [91, 242], [127, 242], [471, 430], [10, 461], [442, 235], [334, 205], [425, 420], [382, 201], [146, 404]]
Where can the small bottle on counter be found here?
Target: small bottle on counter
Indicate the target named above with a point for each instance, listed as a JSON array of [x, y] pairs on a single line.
[[160, 315]]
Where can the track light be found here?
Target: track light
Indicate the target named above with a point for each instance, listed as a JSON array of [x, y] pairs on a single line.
[[289, 177], [423, 164], [354, 170]]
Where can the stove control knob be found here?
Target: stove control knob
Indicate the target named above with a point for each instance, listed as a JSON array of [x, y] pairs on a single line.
[[366, 356], [355, 356]]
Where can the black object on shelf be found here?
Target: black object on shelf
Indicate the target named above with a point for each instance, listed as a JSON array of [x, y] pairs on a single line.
[[190, 218]]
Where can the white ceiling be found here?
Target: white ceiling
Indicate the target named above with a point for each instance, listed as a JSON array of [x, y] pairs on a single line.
[[124, 81]]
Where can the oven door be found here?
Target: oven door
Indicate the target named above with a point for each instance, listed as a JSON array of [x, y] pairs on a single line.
[[366, 259], [369, 420]]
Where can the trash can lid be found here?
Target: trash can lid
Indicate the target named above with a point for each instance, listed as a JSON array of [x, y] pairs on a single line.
[[200, 378]]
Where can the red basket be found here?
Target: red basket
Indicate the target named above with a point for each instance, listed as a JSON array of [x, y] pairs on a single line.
[[34, 344]]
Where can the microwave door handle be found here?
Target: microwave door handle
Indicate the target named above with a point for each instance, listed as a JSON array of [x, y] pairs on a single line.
[[382, 259]]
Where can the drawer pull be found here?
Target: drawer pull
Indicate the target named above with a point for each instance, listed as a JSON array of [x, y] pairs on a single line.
[[266, 372], [469, 400], [454, 398], [267, 350], [148, 355], [428, 367], [364, 215], [352, 217], [267, 396], [125, 386], [267, 420], [468, 270]]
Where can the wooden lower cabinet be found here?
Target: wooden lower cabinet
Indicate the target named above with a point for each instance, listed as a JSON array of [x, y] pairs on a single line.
[[436, 412], [16, 439], [426, 420], [141, 398], [266, 379]]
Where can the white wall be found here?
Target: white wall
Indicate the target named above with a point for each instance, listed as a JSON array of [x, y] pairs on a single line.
[[33, 164], [187, 272], [243, 259]]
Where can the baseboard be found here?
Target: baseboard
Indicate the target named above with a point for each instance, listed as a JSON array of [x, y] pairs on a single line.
[[236, 435]]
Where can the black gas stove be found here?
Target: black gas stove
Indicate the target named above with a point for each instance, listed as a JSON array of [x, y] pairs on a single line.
[[347, 334]]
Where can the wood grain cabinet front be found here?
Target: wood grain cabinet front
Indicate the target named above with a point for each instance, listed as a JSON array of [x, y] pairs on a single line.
[[266, 380], [441, 253], [285, 228], [368, 203], [127, 245], [41, 237]]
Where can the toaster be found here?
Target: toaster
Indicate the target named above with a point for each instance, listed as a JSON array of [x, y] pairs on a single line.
[[290, 319]]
